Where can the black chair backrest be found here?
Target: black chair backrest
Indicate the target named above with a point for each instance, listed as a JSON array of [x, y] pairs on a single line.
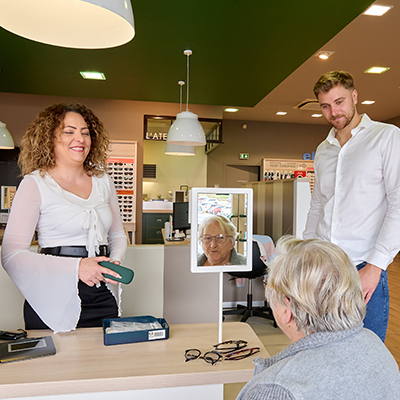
[[258, 265]]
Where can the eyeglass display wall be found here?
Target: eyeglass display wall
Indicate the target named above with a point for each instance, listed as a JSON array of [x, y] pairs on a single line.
[[121, 166], [276, 169]]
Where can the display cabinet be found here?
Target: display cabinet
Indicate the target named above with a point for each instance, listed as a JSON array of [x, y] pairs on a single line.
[[121, 166]]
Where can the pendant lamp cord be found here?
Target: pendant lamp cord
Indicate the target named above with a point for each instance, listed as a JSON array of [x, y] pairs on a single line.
[[180, 98], [187, 83], [180, 83]]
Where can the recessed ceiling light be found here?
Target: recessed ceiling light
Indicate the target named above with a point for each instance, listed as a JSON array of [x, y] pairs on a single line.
[[281, 113], [316, 115], [231, 109], [377, 10], [376, 70], [324, 55], [368, 102], [93, 75]]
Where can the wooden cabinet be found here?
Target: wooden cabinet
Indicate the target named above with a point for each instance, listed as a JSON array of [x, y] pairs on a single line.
[[152, 225]]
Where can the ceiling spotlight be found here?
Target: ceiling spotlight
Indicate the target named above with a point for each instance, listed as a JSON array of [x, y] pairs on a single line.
[[377, 11], [376, 70], [368, 102], [316, 115], [93, 75], [324, 55], [281, 113], [231, 109]]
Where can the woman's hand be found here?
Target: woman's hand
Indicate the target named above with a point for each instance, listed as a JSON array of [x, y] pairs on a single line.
[[91, 273]]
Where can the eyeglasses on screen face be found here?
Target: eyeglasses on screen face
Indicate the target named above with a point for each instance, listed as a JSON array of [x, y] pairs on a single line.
[[207, 239]]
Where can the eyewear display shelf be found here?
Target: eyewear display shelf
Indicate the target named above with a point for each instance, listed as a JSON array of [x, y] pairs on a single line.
[[121, 166], [84, 368], [278, 169]]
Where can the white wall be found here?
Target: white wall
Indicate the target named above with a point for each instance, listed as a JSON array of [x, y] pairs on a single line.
[[173, 171]]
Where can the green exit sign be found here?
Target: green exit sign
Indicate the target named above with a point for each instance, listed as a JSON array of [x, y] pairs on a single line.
[[243, 156]]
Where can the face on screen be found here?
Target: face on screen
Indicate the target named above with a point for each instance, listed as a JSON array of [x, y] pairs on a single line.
[[221, 237]]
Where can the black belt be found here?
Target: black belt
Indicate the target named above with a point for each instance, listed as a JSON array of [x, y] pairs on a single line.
[[73, 251]]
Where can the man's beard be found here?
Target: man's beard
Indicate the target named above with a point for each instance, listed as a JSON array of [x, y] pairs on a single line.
[[344, 122]]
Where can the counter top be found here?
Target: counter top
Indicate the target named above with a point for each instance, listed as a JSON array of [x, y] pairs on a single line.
[[83, 364], [158, 205]]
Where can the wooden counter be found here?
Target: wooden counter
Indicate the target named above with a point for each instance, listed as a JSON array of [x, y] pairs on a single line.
[[84, 365]]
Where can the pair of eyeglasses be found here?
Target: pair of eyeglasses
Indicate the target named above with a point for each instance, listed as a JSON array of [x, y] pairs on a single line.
[[212, 357], [207, 239], [241, 354], [229, 346]]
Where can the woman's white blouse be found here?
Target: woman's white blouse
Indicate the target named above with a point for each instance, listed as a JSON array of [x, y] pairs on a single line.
[[49, 283]]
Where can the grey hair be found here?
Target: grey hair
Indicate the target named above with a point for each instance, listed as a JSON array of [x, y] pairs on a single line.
[[321, 283], [225, 224]]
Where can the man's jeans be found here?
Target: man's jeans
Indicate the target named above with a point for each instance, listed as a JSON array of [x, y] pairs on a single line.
[[377, 316]]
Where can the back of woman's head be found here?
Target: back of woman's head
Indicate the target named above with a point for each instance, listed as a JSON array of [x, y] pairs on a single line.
[[37, 145], [320, 282]]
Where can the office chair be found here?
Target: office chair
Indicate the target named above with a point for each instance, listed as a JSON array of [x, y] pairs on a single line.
[[259, 270]]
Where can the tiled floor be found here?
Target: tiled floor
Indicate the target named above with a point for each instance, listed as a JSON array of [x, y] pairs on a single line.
[[273, 339]]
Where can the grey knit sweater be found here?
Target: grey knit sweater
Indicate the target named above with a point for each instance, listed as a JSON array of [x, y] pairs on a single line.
[[351, 365]]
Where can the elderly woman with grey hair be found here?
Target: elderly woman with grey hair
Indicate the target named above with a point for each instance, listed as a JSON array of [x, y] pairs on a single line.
[[316, 296], [218, 236]]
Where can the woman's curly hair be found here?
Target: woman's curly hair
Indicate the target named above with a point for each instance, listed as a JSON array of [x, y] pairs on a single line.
[[37, 145]]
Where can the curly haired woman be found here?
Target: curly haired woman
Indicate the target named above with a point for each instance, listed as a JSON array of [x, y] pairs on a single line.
[[69, 199]]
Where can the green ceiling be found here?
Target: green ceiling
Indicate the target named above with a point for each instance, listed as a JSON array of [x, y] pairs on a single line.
[[241, 51]]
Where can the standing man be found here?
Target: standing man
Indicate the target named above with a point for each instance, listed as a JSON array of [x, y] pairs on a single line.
[[356, 198]]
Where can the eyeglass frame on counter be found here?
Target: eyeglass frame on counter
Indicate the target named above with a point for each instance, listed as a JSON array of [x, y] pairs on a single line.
[[237, 352]]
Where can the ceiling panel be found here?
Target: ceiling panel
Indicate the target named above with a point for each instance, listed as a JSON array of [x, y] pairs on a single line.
[[242, 50]]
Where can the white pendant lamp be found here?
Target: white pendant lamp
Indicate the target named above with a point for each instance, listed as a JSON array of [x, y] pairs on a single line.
[[186, 129], [175, 150], [80, 24], [6, 140]]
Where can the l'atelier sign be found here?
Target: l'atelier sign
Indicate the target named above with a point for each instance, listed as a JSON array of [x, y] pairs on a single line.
[[156, 136]]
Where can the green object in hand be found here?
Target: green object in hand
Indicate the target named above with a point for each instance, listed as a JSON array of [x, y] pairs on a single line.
[[125, 273]]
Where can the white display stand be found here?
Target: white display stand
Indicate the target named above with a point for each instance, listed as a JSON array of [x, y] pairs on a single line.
[[241, 210]]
